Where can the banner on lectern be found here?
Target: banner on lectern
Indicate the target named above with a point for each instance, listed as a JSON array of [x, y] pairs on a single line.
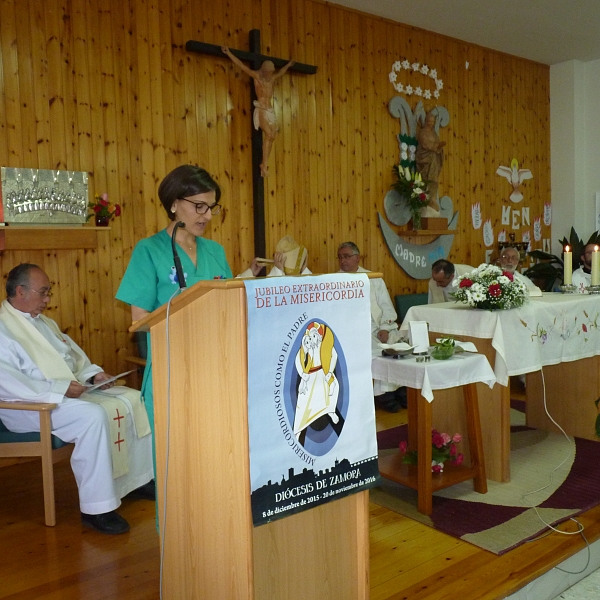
[[311, 415]]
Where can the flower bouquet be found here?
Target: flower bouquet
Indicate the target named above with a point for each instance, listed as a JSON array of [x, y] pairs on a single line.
[[490, 288], [443, 449], [103, 210], [411, 186]]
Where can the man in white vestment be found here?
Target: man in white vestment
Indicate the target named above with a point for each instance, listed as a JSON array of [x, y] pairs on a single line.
[[443, 273], [384, 326], [509, 261], [38, 363], [582, 277]]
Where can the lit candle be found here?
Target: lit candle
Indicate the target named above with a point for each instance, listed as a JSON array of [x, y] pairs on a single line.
[[568, 261], [596, 266]]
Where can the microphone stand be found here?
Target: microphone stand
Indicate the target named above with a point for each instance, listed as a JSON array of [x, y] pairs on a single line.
[[176, 259]]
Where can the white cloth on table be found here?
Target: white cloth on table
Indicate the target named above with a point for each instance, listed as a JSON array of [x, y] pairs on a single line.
[[548, 330], [458, 370], [79, 421], [532, 289]]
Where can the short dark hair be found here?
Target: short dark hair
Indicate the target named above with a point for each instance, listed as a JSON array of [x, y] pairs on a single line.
[[183, 181], [19, 275], [350, 245], [443, 265]]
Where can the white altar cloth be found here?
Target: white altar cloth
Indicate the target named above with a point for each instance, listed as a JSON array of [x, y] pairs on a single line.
[[546, 331], [458, 370]]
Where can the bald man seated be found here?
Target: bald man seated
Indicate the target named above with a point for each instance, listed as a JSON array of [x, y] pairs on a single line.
[[109, 426]]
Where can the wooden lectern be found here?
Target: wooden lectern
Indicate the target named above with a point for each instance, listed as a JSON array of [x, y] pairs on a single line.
[[212, 550]]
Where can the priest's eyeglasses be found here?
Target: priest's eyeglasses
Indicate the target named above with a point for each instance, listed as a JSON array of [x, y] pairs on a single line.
[[202, 208], [44, 293]]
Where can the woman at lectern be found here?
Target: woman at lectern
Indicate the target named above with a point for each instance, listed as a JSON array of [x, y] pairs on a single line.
[[190, 196]]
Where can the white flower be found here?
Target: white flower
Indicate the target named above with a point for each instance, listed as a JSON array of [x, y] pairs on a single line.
[[415, 66], [427, 94], [418, 191], [503, 280], [393, 76], [433, 73], [412, 148], [404, 146], [397, 66], [399, 87], [407, 173], [404, 155], [436, 94], [439, 83], [408, 90], [424, 69], [418, 92], [405, 64]]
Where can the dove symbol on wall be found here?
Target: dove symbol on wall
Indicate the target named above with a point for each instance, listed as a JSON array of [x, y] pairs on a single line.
[[515, 177]]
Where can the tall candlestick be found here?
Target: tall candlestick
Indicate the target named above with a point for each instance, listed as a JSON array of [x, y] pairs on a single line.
[[568, 266], [595, 266]]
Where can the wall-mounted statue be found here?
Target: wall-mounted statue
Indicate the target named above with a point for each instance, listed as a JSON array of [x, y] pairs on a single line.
[[430, 157]]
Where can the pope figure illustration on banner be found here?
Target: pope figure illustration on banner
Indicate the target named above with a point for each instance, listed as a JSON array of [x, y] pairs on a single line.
[[318, 388]]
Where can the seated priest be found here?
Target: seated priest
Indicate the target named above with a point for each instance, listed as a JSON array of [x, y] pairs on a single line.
[[384, 328], [582, 277], [39, 363], [443, 273], [509, 261], [290, 258]]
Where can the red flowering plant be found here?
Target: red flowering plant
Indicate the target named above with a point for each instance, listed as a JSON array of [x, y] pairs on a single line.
[[489, 287], [443, 449], [103, 209]]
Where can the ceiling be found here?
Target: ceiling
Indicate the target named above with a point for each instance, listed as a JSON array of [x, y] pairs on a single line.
[[546, 31]]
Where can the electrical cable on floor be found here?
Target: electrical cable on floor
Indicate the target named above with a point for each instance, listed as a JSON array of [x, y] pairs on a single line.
[[524, 496], [167, 439]]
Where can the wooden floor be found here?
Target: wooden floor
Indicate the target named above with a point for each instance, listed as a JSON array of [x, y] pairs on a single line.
[[408, 560]]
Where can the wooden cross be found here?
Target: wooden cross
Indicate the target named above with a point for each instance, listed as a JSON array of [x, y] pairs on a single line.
[[255, 58]]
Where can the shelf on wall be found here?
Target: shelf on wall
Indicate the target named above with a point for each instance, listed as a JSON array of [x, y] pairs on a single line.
[[420, 232], [49, 237]]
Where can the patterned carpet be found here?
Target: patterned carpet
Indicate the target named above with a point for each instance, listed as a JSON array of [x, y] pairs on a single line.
[[503, 518]]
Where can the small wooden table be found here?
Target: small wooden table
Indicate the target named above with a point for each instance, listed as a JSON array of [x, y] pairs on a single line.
[[461, 370]]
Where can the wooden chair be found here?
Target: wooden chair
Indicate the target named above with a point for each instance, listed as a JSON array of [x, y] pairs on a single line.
[[23, 447]]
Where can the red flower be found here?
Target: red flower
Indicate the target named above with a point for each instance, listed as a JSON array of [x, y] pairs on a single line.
[[436, 469], [584, 327], [97, 208], [465, 283], [453, 450], [423, 197], [117, 210], [495, 290], [402, 446], [509, 275], [459, 459], [103, 202], [436, 439]]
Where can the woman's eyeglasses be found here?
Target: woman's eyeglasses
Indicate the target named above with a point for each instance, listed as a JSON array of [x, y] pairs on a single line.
[[202, 208]]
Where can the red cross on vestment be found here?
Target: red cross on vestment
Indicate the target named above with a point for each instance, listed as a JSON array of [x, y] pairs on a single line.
[[119, 441], [118, 419]]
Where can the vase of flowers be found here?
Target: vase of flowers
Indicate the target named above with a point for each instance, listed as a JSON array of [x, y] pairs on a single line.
[[490, 288], [102, 210], [443, 449], [413, 189]]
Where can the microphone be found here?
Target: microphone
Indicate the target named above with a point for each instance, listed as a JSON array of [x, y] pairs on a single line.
[[176, 259]]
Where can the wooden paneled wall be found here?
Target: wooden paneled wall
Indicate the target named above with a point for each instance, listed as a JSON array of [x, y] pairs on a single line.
[[106, 86]]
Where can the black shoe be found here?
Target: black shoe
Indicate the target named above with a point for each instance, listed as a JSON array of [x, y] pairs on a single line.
[[388, 402], [401, 397], [110, 523], [145, 492]]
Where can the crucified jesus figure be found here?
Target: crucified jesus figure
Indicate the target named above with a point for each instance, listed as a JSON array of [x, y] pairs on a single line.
[[264, 114]]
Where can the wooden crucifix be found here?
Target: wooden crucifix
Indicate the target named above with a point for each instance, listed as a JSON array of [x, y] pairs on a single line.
[[256, 59]]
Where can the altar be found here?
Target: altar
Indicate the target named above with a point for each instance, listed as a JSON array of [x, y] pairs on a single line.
[[554, 339]]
